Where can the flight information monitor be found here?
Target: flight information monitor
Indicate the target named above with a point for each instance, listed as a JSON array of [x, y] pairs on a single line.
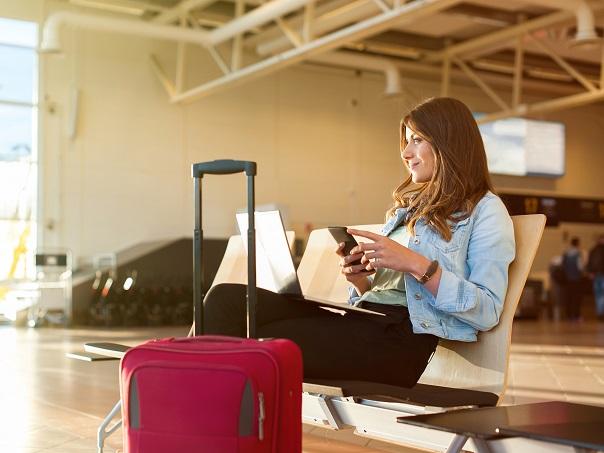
[[521, 147]]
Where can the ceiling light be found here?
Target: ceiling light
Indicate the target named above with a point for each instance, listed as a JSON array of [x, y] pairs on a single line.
[[586, 32]]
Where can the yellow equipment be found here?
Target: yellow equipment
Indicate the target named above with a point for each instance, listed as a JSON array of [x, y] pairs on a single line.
[[18, 252]]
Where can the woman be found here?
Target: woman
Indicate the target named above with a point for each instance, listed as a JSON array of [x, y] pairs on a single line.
[[439, 271]]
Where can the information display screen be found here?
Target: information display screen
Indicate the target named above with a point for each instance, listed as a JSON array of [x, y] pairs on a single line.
[[521, 147]]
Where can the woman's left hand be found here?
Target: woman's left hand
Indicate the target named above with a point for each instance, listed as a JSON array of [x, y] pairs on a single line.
[[383, 252]]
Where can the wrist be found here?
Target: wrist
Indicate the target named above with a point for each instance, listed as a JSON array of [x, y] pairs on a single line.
[[420, 266], [361, 285], [431, 272], [425, 270]]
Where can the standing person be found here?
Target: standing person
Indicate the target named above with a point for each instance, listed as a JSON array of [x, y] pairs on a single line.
[[439, 271], [572, 265], [595, 267], [557, 285]]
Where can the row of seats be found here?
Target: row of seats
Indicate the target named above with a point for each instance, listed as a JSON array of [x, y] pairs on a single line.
[[458, 375]]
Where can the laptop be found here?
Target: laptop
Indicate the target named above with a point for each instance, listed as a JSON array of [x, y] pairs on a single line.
[[275, 269]]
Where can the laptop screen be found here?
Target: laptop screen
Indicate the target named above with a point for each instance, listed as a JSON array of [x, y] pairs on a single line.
[[275, 269]]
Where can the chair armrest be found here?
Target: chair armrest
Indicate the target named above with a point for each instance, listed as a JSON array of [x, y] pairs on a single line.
[[113, 350]]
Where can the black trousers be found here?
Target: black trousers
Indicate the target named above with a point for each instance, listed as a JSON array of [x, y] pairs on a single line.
[[353, 346], [573, 294]]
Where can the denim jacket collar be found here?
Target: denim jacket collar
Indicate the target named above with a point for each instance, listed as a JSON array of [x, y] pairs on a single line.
[[393, 222]]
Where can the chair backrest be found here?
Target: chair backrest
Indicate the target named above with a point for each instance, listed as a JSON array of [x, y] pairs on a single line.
[[319, 270], [480, 365]]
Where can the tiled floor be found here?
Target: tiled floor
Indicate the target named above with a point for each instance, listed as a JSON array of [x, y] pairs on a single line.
[[52, 404]]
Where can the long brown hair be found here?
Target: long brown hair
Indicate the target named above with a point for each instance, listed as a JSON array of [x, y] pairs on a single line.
[[461, 177]]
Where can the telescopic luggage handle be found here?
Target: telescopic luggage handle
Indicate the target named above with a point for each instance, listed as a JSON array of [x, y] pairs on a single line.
[[224, 167]]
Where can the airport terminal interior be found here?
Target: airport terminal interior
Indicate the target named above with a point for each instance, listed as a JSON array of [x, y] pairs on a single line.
[[107, 105]]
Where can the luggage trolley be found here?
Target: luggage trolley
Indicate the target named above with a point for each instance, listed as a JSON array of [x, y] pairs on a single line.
[[54, 287]]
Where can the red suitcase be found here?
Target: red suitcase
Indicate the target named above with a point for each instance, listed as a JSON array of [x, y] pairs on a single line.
[[210, 393]]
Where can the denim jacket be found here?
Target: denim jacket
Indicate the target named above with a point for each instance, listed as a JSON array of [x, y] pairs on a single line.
[[474, 267]]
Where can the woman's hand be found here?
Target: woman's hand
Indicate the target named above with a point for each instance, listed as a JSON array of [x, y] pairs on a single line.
[[383, 252], [356, 274]]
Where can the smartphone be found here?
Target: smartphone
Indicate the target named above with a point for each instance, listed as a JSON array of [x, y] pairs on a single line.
[[340, 234]]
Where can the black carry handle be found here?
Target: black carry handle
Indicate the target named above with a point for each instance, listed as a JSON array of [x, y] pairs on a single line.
[[224, 167]]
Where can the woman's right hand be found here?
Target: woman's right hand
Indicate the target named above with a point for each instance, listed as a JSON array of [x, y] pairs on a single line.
[[355, 273]]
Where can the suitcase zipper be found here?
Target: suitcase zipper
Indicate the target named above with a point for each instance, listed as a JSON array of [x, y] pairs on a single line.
[[261, 416]]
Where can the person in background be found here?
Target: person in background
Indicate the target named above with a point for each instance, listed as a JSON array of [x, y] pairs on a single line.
[[595, 268], [557, 283], [573, 263]]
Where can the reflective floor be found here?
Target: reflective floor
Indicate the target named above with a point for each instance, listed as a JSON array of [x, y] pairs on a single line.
[[49, 403]]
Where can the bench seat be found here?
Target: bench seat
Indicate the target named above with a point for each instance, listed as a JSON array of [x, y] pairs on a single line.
[[420, 394]]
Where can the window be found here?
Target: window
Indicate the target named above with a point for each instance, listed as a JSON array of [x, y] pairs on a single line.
[[18, 150]]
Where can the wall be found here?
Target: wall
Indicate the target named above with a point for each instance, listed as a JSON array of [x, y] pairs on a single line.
[[325, 140]]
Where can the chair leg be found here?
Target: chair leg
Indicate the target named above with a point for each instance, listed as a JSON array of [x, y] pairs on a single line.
[[457, 443], [103, 432]]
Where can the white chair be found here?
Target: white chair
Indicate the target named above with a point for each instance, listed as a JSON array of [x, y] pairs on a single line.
[[459, 373]]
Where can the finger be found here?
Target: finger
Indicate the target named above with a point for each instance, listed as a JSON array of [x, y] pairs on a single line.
[[372, 255], [355, 276], [365, 234], [352, 258], [356, 249], [354, 269], [376, 263], [364, 247]]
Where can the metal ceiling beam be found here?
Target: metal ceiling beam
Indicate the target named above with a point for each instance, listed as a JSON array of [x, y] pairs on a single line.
[[402, 14], [562, 103], [183, 7], [214, 53], [485, 42], [563, 64], [162, 76], [518, 66], [481, 84], [308, 20], [181, 53], [347, 15], [296, 21], [258, 16]]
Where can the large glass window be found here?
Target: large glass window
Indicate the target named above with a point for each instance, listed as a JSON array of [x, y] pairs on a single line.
[[18, 152]]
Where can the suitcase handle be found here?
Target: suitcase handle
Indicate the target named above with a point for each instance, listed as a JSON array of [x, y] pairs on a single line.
[[224, 167]]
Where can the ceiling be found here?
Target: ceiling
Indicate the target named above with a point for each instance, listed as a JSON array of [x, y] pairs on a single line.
[[465, 30]]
